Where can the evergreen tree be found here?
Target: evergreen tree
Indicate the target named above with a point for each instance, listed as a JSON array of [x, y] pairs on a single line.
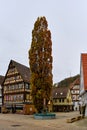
[[40, 60]]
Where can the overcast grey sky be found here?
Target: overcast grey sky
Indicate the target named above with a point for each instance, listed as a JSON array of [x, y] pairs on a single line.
[[67, 21]]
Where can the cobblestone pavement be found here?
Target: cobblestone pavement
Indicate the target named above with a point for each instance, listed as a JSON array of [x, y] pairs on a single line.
[[27, 122]]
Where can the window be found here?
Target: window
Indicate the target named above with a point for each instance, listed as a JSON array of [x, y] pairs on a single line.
[[74, 97], [4, 98], [11, 97], [20, 86], [21, 97], [77, 92], [7, 97], [27, 96], [61, 93], [73, 91], [56, 93], [0, 100], [77, 97], [55, 100], [0, 91], [17, 77], [27, 86], [5, 88], [12, 87], [59, 100], [14, 97], [16, 86]]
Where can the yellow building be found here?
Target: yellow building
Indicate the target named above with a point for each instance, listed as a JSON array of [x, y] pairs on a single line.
[[62, 100]]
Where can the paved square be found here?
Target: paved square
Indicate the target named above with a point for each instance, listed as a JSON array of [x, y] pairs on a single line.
[[27, 122]]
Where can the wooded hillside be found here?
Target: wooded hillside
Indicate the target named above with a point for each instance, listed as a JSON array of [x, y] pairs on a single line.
[[66, 82]]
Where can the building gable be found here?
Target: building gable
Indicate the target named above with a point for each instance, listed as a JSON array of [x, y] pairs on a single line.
[[83, 81], [59, 92], [74, 88], [23, 70], [18, 72], [83, 73]]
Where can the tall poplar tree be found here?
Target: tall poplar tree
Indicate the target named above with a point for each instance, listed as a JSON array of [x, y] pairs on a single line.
[[40, 60]]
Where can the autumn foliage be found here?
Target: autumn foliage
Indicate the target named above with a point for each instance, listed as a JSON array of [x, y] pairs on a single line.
[[40, 60]]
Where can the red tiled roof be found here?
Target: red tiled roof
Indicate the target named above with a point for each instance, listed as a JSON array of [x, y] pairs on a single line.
[[84, 64]]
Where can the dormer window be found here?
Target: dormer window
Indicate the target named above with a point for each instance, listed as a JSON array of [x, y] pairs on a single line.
[[61, 93], [56, 93], [27, 86]]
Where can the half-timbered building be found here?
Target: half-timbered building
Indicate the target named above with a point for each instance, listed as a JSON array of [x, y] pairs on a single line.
[[74, 88], [1, 81], [16, 86]]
